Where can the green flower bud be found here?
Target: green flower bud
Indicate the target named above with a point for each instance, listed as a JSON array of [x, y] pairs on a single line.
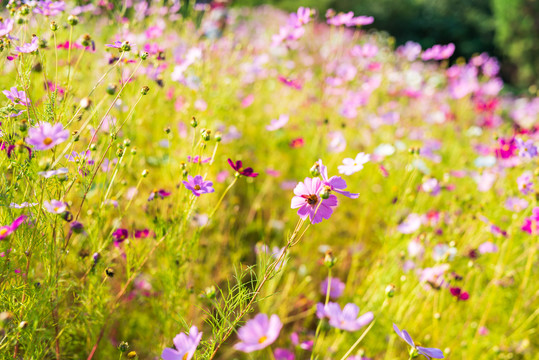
[[72, 20]]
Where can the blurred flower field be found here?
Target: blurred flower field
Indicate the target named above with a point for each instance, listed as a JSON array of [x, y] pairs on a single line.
[[186, 181]]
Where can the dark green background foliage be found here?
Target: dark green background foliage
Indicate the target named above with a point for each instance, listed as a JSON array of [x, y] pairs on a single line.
[[507, 29]]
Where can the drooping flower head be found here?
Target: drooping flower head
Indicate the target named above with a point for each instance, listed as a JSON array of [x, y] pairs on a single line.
[[198, 186], [258, 333], [186, 345], [310, 204], [335, 183], [7, 230], [426, 352], [346, 319], [46, 136], [238, 167]]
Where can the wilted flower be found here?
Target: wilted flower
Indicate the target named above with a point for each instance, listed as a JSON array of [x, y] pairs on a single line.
[[258, 333], [186, 346]]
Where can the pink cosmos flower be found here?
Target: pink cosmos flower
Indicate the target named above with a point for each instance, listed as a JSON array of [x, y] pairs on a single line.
[[29, 47], [7, 230], [310, 203], [186, 346], [277, 123], [258, 333], [198, 186], [55, 206], [6, 26], [439, 52], [525, 182], [49, 8], [46, 136], [351, 166], [16, 96], [162, 193], [346, 319]]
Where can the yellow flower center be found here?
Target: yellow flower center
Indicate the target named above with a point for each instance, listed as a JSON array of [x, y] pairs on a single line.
[[197, 187], [262, 339], [185, 356], [3, 231], [312, 199], [505, 147], [47, 141]]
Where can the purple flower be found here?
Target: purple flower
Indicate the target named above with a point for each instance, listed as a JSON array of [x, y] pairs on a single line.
[[516, 204], [336, 287], [7, 230], [525, 182], [411, 224], [142, 234], [29, 47], [55, 206], [487, 247], [161, 193], [186, 346], [16, 96], [526, 148], [335, 183], [283, 354], [431, 186], [6, 26], [351, 166], [49, 8], [310, 203], [119, 236], [238, 167], [258, 333], [531, 224], [48, 174], [116, 45], [426, 352], [22, 206], [198, 186], [345, 319], [46, 136], [80, 158], [277, 123]]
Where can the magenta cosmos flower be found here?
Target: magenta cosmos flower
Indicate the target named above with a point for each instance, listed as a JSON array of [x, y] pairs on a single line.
[[345, 319], [238, 166], [426, 352], [258, 333], [16, 96], [531, 224], [186, 345], [47, 136], [198, 186], [7, 230], [310, 204]]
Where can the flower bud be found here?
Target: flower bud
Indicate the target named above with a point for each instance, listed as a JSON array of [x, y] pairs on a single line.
[[86, 40], [76, 227], [218, 136], [23, 324], [125, 46], [206, 134], [144, 90], [329, 259], [145, 173], [390, 290], [53, 26], [93, 147], [132, 355], [123, 347], [167, 130], [111, 89], [67, 216], [210, 292], [85, 103], [325, 192], [109, 272], [72, 20], [144, 55], [315, 170], [194, 122], [134, 151], [127, 143]]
